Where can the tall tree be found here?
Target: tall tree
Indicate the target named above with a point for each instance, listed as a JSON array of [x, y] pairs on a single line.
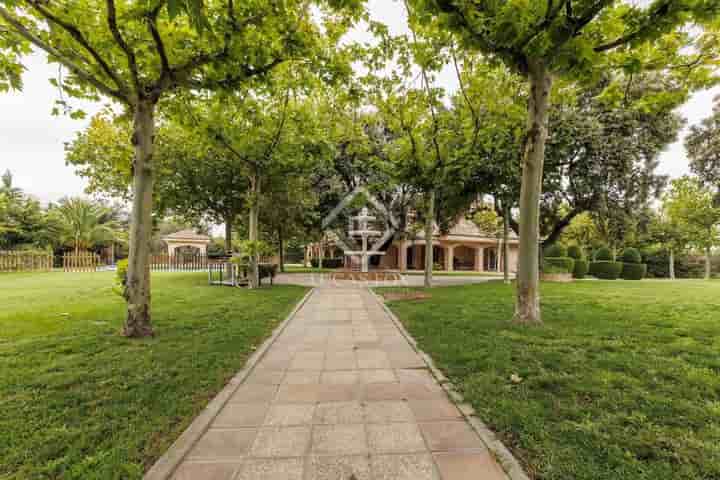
[[22, 220], [703, 148], [692, 206], [574, 38], [671, 234], [135, 53]]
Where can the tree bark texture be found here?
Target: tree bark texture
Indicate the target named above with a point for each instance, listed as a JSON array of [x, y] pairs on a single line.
[[228, 235], [281, 250], [672, 264], [527, 307], [708, 263], [137, 290], [429, 217], [254, 281], [506, 234]]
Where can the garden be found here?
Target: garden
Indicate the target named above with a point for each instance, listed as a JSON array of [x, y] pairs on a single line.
[[221, 142], [621, 381], [81, 402]]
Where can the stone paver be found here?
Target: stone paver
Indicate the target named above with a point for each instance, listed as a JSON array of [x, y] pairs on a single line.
[[340, 395]]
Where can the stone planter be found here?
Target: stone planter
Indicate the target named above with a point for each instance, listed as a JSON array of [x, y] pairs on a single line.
[[556, 277]]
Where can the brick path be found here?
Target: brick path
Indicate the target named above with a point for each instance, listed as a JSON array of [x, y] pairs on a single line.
[[340, 395]]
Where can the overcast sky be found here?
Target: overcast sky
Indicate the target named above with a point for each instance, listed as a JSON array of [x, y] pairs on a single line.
[[32, 140]]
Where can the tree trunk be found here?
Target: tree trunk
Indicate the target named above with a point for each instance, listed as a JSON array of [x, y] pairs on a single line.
[[672, 264], [281, 249], [321, 254], [137, 290], [527, 308], [506, 234], [228, 235], [429, 218], [708, 265], [254, 281]]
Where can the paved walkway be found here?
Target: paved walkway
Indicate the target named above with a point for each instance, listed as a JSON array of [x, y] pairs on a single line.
[[340, 395], [325, 280]]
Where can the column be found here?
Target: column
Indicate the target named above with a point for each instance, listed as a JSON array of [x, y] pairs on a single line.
[[479, 252], [449, 258], [418, 257], [402, 256]]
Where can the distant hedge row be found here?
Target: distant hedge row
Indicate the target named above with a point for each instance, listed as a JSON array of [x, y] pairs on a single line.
[[558, 259], [328, 262]]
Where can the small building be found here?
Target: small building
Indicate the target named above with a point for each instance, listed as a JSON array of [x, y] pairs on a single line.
[[184, 240], [464, 248]]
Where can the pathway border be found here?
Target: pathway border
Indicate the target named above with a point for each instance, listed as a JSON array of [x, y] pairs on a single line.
[[166, 465], [507, 460]]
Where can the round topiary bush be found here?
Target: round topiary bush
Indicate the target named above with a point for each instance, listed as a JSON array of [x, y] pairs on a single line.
[[556, 251], [574, 251], [581, 268], [634, 271], [606, 270], [558, 265], [631, 255], [604, 254]]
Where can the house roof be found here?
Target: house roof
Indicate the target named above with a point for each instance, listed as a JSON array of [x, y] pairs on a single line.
[[187, 235]]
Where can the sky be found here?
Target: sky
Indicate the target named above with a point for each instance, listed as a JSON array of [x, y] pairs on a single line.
[[32, 139]]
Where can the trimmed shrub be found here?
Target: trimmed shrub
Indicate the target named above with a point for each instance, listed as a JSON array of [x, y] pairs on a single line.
[[634, 271], [581, 268], [328, 262], [558, 265], [603, 254], [575, 252], [631, 255], [267, 271], [556, 251], [121, 277], [606, 270]]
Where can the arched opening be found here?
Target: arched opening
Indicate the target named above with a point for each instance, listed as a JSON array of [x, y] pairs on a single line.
[[463, 258]]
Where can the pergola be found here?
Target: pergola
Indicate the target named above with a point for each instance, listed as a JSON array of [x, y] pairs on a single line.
[[186, 238]]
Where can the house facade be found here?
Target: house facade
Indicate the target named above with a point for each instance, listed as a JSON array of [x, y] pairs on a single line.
[[464, 248]]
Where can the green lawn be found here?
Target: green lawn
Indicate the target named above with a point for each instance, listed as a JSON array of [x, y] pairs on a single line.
[[622, 381], [78, 401]]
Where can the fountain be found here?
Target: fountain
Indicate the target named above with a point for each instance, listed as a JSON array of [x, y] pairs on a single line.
[[360, 228]]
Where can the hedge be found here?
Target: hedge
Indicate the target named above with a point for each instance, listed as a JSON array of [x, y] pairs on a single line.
[[556, 251], [606, 270], [558, 265], [631, 255], [634, 271], [603, 254], [581, 268], [574, 251], [328, 262]]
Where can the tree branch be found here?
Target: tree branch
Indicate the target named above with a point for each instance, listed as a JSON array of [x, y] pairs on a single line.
[[132, 61], [560, 226], [659, 12], [80, 38], [276, 140], [21, 30], [230, 81], [157, 39], [551, 14]]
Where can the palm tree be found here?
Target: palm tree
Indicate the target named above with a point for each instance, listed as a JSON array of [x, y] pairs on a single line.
[[6, 187], [83, 224]]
